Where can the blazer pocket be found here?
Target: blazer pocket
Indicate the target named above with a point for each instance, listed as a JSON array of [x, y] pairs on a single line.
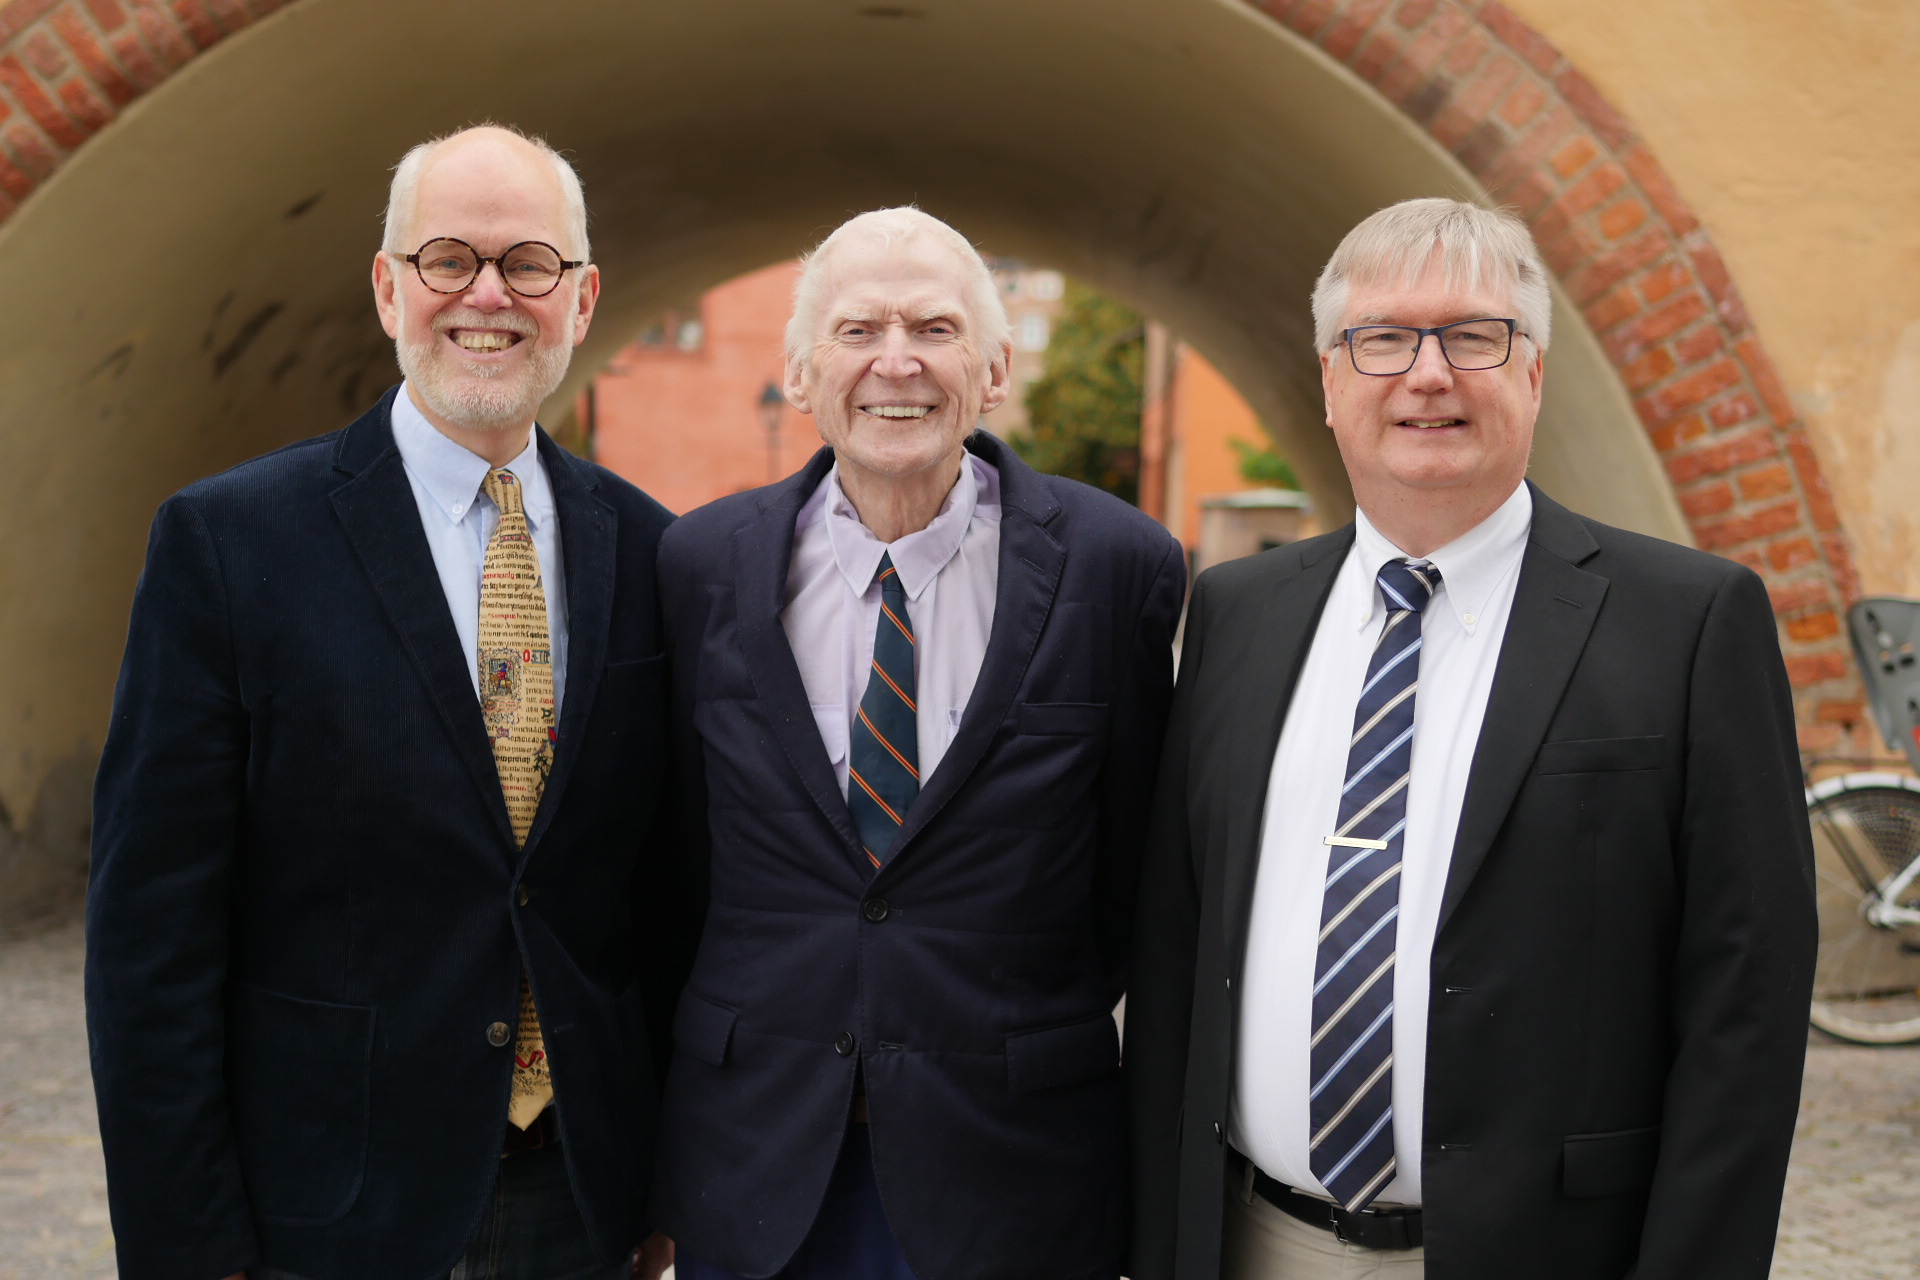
[[1601, 755], [1610, 1164], [1064, 719], [1062, 1055], [703, 1030], [300, 1073]]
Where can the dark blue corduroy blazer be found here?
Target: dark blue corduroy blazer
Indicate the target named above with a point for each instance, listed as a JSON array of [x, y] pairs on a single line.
[[307, 908]]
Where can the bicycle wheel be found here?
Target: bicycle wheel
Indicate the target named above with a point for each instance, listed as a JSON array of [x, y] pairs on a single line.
[[1866, 986]]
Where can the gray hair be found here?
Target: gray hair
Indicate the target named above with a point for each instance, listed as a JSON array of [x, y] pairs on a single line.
[[1478, 248], [904, 222], [406, 185]]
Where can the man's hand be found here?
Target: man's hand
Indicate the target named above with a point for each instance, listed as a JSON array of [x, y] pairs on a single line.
[[238, 1275], [653, 1257]]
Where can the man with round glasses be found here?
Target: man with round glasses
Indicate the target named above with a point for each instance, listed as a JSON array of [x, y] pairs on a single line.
[[366, 991], [1476, 928]]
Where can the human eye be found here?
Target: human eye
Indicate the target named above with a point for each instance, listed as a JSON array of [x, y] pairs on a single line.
[[1382, 341], [1477, 335]]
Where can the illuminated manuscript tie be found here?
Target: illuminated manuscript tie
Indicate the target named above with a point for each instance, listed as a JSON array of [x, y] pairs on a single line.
[[883, 762], [516, 699], [1351, 1105]]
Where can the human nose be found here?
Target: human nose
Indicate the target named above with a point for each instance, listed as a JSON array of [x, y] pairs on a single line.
[[895, 358], [489, 291], [1430, 371]]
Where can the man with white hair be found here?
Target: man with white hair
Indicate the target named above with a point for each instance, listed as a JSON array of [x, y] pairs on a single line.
[[1476, 932], [923, 690], [365, 989]]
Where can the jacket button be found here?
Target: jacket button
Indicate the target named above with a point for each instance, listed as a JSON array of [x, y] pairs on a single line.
[[524, 896], [876, 909], [844, 1044], [497, 1034], [1219, 1134]]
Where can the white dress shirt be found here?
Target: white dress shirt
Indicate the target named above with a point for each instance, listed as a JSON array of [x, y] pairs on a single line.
[[459, 519], [951, 573], [1461, 633]]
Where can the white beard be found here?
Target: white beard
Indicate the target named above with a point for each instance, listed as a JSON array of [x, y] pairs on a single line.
[[475, 395]]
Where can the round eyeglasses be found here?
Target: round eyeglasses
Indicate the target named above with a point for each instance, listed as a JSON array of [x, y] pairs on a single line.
[[1383, 350], [531, 268]]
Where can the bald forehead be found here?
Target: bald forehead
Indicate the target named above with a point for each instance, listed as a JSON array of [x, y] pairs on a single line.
[[488, 182], [492, 152]]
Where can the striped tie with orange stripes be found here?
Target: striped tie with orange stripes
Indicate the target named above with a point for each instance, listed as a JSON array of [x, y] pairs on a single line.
[[884, 751]]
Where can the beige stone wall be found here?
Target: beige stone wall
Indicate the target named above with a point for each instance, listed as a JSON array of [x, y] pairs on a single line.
[[1793, 128]]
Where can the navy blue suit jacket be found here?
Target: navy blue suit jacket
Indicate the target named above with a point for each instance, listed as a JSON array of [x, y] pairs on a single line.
[[307, 907], [970, 981]]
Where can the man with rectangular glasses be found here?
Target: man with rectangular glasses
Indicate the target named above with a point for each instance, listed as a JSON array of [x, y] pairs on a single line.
[[365, 987], [1476, 929]]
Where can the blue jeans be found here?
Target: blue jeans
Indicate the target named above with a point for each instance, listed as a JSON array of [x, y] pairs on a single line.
[[531, 1229]]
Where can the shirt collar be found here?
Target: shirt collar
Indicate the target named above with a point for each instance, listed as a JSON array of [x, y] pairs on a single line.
[[919, 557], [451, 473], [1471, 566]]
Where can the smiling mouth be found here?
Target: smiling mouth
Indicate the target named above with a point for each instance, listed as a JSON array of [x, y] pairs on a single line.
[[483, 341], [897, 410], [1428, 424]]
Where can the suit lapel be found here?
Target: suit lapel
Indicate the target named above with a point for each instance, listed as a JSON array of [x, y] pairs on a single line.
[[762, 552], [1555, 606], [377, 509], [589, 530], [1030, 565], [1275, 650]]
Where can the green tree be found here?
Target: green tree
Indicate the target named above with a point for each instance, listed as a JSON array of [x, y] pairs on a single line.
[[1083, 412], [1263, 465]]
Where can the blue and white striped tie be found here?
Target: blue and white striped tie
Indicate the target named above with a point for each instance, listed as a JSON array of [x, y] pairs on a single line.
[[1351, 1146]]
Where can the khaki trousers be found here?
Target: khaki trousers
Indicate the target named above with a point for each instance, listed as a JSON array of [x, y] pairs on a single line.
[[1263, 1243]]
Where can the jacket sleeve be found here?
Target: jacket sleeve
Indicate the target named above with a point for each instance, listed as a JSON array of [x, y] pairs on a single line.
[[1159, 1016], [1142, 690], [681, 878], [166, 808], [1743, 961]]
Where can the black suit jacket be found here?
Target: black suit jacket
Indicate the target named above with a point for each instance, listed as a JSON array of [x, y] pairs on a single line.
[[306, 905], [971, 980], [1625, 950]]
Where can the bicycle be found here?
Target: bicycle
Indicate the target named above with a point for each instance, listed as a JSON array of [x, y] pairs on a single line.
[[1866, 837]]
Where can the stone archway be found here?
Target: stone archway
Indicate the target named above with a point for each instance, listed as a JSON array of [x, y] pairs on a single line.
[[190, 194]]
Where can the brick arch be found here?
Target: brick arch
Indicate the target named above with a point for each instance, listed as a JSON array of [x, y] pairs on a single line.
[[1491, 90]]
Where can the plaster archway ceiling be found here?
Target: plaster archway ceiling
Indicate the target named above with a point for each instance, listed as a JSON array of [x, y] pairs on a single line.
[[207, 255]]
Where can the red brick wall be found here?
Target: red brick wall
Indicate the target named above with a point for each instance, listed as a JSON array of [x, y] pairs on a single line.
[[1643, 271], [67, 67], [1492, 90]]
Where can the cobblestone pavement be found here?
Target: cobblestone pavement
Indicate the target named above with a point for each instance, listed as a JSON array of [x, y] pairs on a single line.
[[1853, 1192], [53, 1190]]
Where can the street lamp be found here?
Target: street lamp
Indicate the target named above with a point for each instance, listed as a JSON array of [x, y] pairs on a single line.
[[772, 406]]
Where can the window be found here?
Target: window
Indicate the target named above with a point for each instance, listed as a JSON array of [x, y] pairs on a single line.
[[1031, 333]]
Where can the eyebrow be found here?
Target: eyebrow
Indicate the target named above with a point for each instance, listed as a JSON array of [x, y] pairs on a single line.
[[1376, 317], [936, 311]]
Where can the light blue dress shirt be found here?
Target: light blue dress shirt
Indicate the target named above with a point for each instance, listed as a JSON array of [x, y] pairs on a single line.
[[459, 519]]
